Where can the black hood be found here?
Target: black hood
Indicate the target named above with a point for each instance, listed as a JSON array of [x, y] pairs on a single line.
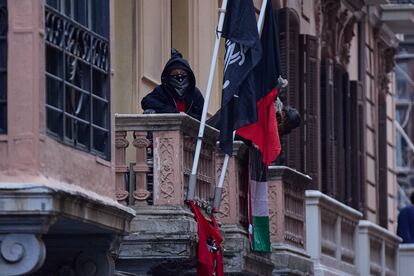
[[177, 61]]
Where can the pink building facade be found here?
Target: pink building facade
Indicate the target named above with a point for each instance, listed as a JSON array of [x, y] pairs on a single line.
[[57, 185]]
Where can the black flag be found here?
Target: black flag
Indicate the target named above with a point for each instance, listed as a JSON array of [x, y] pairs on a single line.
[[263, 132], [243, 52]]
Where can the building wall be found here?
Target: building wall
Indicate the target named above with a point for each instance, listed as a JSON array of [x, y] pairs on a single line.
[[145, 31], [28, 154]]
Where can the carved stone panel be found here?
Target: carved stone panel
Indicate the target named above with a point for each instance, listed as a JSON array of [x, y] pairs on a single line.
[[229, 207], [168, 168], [276, 211], [337, 29]]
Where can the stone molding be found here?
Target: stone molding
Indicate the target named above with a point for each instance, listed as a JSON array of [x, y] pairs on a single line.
[[165, 122], [339, 18], [373, 243], [47, 203], [166, 240], [288, 175]]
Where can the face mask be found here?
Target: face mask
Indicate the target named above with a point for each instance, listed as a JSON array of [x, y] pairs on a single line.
[[179, 83]]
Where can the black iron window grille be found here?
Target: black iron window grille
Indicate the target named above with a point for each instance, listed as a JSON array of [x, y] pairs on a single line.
[[77, 74], [3, 66]]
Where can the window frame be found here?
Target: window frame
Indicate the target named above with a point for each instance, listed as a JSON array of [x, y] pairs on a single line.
[[72, 114], [3, 65]]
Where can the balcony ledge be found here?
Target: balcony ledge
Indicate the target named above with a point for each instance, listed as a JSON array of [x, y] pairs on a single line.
[[60, 205], [163, 122], [366, 226], [398, 17], [314, 197], [288, 175]]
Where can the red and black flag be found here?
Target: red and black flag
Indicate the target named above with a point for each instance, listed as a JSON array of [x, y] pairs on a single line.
[[263, 132], [251, 72], [243, 52]]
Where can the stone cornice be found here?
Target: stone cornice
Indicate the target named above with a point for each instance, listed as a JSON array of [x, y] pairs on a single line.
[[46, 204], [164, 122], [378, 231], [288, 175]]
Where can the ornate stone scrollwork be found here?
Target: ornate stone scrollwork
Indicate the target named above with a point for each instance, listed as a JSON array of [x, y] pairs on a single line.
[[345, 40], [389, 59], [225, 202], [22, 253], [337, 31], [273, 212], [121, 195], [121, 141], [141, 194], [167, 173], [141, 142]]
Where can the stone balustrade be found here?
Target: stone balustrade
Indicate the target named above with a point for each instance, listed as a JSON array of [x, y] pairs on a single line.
[[377, 250], [233, 213], [158, 173], [405, 259], [287, 220], [152, 175], [331, 235]]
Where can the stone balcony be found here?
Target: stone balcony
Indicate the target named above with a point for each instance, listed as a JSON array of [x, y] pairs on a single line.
[[288, 221], [340, 243], [377, 250], [152, 177], [331, 233], [405, 259]]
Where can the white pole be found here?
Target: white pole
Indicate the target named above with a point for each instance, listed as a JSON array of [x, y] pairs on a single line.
[[219, 188], [193, 176], [404, 135]]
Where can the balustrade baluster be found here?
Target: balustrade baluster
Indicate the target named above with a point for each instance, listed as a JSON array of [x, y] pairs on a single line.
[[141, 193], [121, 143]]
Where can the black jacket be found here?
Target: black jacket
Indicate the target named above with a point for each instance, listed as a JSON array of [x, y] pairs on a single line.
[[162, 100]]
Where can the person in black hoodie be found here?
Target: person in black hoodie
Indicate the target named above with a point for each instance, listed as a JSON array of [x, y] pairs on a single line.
[[177, 92]]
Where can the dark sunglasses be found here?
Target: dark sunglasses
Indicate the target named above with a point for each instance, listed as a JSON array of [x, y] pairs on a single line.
[[179, 77]]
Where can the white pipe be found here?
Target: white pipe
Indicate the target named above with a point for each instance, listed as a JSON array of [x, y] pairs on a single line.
[[404, 135], [193, 176]]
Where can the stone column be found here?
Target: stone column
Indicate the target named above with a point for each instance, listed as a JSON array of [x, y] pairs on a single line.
[[141, 169], [25, 83], [121, 143]]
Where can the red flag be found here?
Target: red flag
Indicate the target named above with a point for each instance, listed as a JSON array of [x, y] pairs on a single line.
[[210, 258], [264, 133]]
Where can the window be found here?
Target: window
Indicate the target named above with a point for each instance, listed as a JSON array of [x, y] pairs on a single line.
[[3, 66], [77, 74]]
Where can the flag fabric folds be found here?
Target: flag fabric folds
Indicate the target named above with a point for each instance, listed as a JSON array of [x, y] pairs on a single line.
[[242, 54], [259, 232], [263, 132], [251, 71], [210, 257]]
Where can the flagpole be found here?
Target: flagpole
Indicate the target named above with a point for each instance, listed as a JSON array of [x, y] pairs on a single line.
[[219, 188], [193, 176]]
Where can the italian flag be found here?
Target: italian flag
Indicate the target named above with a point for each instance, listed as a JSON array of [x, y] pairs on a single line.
[[259, 204]]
